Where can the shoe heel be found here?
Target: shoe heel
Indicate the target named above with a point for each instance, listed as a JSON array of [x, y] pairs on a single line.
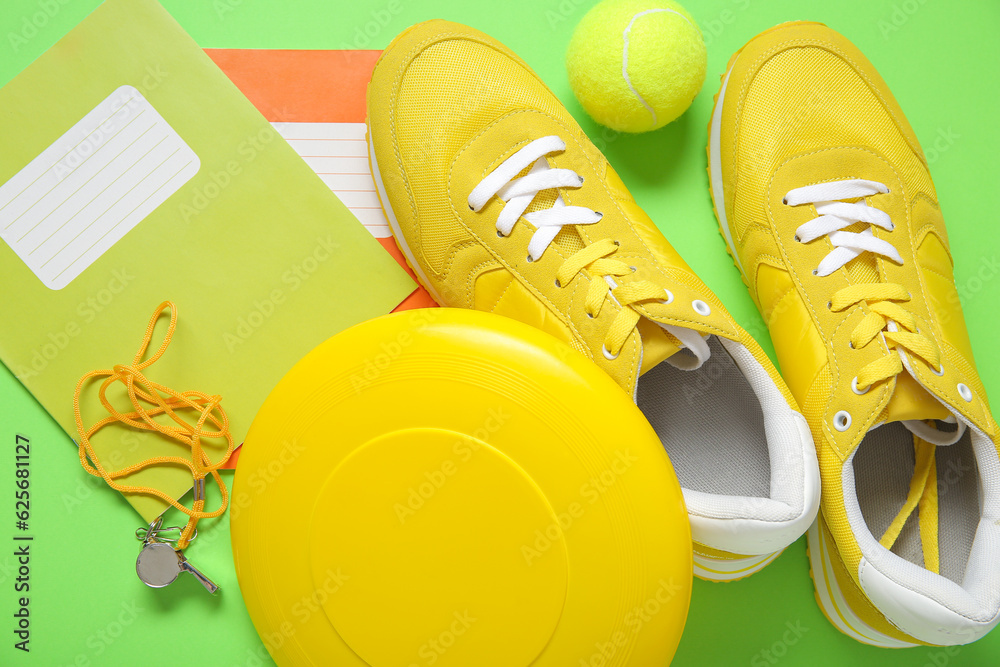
[[831, 599], [711, 568]]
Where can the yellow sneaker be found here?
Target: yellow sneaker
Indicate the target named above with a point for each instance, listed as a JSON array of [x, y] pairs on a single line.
[[501, 203], [825, 200]]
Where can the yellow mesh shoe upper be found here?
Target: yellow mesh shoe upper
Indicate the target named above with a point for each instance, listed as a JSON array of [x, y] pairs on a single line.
[[452, 105], [872, 342]]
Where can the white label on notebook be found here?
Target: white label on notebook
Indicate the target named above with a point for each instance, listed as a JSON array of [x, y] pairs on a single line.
[[337, 152], [96, 182]]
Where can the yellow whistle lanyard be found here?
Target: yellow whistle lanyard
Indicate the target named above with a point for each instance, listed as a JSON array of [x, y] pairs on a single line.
[[150, 399]]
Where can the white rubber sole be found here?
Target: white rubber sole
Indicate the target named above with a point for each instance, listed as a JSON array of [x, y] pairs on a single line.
[[715, 569], [393, 222], [831, 599], [715, 172]]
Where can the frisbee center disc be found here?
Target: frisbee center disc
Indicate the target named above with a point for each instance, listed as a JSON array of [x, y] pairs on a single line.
[[430, 545]]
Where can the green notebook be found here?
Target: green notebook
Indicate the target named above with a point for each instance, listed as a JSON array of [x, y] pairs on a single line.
[[132, 171]]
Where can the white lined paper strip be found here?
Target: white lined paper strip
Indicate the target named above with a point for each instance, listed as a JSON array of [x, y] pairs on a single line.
[[337, 152], [95, 183]]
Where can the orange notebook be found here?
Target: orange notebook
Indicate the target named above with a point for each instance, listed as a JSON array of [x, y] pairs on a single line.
[[316, 101]]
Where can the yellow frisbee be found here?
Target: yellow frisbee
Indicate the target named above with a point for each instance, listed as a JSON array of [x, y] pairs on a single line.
[[454, 488]]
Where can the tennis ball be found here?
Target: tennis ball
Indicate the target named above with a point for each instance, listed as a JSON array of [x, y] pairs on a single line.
[[636, 65]]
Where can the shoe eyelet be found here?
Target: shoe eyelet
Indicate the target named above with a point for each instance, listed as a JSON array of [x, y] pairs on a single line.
[[815, 272], [784, 200], [471, 207], [701, 308], [607, 354], [529, 259], [500, 234], [558, 284], [829, 305], [938, 371], [850, 344], [669, 299], [842, 421], [634, 269], [854, 387], [964, 392], [590, 316]]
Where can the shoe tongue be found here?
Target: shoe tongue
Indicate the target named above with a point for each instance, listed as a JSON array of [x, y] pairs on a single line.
[[911, 401], [657, 345]]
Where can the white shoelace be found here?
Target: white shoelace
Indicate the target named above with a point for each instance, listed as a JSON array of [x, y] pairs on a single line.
[[518, 193], [835, 215]]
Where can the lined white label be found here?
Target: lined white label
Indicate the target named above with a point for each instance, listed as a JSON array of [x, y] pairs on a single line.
[[96, 182], [337, 152]]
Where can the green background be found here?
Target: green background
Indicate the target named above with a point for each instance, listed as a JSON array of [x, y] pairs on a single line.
[[941, 60]]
